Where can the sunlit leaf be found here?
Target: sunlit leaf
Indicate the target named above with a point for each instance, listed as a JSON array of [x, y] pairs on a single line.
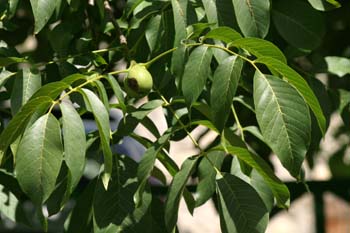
[[253, 17], [324, 5], [300, 84], [338, 65], [39, 154], [284, 120], [225, 34], [259, 48]]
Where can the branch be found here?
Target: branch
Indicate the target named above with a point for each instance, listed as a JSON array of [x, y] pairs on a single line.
[[109, 11]]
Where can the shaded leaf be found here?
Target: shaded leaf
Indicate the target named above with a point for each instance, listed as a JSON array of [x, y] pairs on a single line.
[[136, 116], [235, 146], [147, 163], [153, 32], [18, 123], [6, 61], [74, 143], [225, 82], [26, 84], [117, 91], [4, 76], [284, 120], [81, 216], [176, 190], [196, 73], [206, 175], [42, 10], [102, 120], [113, 206], [253, 17], [39, 154], [180, 22], [241, 208], [300, 25]]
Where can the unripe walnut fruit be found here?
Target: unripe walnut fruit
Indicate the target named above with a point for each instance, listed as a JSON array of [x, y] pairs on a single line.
[[138, 82]]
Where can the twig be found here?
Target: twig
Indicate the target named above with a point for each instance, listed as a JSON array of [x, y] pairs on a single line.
[[109, 11]]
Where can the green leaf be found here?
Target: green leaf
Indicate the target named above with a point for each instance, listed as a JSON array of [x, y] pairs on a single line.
[[4, 76], [51, 90], [42, 10], [241, 208], [102, 93], [6, 61], [180, 22], [74, 143], [81, 216], [196, 73], [300, 25], [264, 191], [153, 33], [61, 193], [113, 206], [259, 48], [235, 146], [225, 34], [334, 2], [284, 120], [8, 203], [26, 84], [211, 11], [338, 65], [300, 84], [117, 91], [39, 154], [206, 175], [195, 30], [176, 190], [225, 82], [255, 180], [253, 17], [136, 116], [18, 123], [54, 89], [12, 7], [324, 5], [102, 121], [147, 163]]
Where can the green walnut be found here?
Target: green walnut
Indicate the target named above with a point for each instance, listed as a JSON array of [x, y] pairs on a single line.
[[138, 82]]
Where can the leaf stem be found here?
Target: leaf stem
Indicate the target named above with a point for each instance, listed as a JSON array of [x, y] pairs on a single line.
[[149, 63], [251, 62], [239, 126], [195, 143], [98, 77]]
